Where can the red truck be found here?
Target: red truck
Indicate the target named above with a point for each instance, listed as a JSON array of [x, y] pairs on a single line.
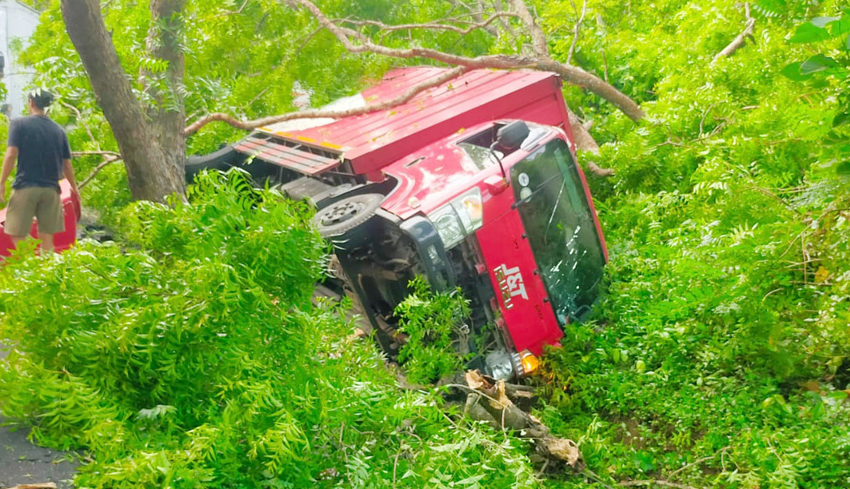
[[471, 184]]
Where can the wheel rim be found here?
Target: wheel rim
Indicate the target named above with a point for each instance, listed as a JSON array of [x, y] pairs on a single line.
[[341, 212]]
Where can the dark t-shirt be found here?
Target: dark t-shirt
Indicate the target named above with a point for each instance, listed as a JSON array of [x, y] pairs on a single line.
[[42, 146]]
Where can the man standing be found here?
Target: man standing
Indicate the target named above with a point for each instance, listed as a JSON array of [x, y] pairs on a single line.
[[41, 149]]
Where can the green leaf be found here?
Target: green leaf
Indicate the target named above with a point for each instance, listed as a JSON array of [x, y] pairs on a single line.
[[793, 72], [841, 119], [821, 22], [843, 168], [817, 63], [839, 26], [809, 33]]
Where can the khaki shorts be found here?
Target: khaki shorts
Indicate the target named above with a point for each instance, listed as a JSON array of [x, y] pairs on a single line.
[[43, 203]]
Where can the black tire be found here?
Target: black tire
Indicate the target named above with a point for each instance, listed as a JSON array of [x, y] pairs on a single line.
[[221, 160], [339, 219]]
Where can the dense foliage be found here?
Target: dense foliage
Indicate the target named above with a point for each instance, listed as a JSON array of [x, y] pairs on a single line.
[[194, 358], [435, 330], [723, 346], [720, 356]]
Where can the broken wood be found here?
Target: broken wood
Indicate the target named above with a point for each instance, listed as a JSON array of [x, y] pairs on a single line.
[[490, 403]]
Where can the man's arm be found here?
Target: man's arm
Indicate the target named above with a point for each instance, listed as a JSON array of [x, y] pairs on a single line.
[[8, 163], [68, 173]]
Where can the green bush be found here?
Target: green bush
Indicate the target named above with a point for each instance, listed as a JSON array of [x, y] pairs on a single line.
[[190, 355], [434, 325]]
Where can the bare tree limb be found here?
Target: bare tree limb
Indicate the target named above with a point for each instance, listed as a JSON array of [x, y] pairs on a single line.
[[538, 37], [77, 154], [505, 23], [739, 41], [585, 142], [334, 114], [82, 122], [354, 42], [575, 33], [429, 26], [106, 162], [236, 12]]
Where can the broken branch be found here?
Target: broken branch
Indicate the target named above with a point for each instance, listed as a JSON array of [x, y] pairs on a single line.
[[490, 403], [333, 114], [541, 62]]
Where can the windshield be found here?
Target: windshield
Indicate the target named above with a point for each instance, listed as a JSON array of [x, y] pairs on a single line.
[[560, 228]]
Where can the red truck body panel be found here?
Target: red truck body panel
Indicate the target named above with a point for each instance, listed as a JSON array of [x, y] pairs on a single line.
[[61, 241], [372, 141]]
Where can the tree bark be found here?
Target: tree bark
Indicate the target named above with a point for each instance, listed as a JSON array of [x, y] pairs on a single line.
[[151, 170], [168, 114]]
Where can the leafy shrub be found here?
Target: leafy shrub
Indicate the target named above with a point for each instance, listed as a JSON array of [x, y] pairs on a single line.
[[191, 356], [433, 323]]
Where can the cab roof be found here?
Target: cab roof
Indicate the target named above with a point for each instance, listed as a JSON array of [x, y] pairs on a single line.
[[372, 141]]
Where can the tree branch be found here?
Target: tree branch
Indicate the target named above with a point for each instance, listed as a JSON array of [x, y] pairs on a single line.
[[333, 114], [538, 38], [575, 33], [106, 162], [429, 26], [570, 74], [77, 154], [739, 41]]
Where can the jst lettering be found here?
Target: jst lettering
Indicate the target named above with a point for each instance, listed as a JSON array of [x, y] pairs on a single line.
[[510, 284]]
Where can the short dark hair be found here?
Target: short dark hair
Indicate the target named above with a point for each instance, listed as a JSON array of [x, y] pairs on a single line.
[[41, 98]]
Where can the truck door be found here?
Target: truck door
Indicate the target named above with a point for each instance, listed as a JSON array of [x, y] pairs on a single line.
[[519, 290]]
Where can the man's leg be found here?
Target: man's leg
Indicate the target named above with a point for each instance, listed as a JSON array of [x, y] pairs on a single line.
[[51, 218], [19, 214], [46, 243]]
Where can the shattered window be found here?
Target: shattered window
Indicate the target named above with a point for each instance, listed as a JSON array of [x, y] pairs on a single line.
[[560, 229]]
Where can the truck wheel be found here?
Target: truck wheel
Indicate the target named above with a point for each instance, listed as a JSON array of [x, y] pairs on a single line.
[[339, 218]]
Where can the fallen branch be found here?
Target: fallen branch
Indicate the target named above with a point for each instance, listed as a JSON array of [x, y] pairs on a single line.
[[318, 113], [585, 142], [354, 42], [490, 403], [739, 41]]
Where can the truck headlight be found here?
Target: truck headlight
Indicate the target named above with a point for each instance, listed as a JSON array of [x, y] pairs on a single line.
[[500, 365], [459, 218]]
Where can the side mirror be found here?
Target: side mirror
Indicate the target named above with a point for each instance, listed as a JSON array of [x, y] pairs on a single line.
[[512, 136], [496, 184]]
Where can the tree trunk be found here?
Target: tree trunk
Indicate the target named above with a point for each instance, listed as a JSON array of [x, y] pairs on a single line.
[[154, 166]]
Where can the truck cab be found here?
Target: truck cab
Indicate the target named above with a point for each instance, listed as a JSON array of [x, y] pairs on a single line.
[[473, 184]]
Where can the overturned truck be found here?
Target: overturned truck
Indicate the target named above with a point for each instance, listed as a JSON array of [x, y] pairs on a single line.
[[472, 184]]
